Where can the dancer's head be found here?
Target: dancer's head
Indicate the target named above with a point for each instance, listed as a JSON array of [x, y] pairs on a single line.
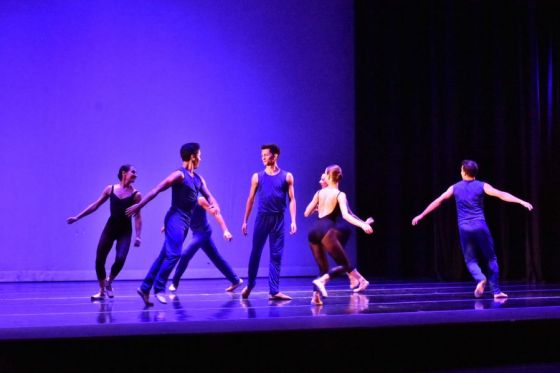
[[127, 173], [334, 172], [469, 168], [269, 154], [191, 152]]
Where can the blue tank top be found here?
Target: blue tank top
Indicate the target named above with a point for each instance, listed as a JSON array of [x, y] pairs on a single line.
[[184, 196], [199, 221], [469, 197], [272, 191]]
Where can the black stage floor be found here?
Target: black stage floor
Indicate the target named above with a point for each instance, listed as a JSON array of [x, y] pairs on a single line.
[[392, 326]]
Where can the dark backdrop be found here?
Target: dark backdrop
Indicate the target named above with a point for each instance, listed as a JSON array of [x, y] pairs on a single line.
[[442, 81]]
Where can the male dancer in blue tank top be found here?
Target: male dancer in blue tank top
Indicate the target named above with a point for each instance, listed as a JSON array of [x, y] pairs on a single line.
[[185, 186], [474, 234], [272, 186]]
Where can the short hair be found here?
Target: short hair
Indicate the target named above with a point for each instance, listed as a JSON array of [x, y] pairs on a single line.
[[470, 167], [124, 168], [274, 149], [189, 149], [335, 172]]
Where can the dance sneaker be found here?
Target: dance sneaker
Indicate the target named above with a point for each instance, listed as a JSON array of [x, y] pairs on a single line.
[[172, 287], [479, 290], [161, 297], [316, 298], [245, 293], [354, 283], [320, 285], [363, 285], [98, 296], [145, 297], [279, 296], [109, 288], [500, 295], [232, 287]]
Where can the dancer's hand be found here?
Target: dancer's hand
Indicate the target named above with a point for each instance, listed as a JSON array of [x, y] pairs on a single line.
[[227, 235], [244, 229], [417, 219], [71, 219], [367, 228], [137, 241], [132, 210], [527, 205], [369, 220], [293, 228]]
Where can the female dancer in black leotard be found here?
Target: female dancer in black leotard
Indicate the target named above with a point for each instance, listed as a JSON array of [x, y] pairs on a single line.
[[118, 228], [327, 233]]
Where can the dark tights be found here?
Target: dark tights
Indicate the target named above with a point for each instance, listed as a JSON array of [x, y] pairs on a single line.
[[104, 247], [331, 245]]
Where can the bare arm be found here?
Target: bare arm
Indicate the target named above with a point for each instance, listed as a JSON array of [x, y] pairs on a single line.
[[292, 197], [176, 176], [343, 204], [434, 205], [213, 204], [369, 220], [92, 207], [138, 222], [219, 218], [250, 201], [312, 206], [504, 196]]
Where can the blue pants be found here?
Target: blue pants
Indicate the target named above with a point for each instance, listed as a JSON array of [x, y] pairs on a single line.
[[204, 241], [176, 228], [269, 226], [477, 242]]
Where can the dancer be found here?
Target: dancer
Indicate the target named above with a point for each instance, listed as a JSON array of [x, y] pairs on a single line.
[[476, 239], [202, 239], [326, 235], [344, 233], [272, 185], [185, 186], [118, 228]]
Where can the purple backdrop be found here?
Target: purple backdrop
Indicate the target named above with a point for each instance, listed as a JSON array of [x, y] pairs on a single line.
[[88, 86]]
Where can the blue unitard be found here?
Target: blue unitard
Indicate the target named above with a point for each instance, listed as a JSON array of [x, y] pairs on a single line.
[[202, 239], [476, 240], [184, 198], [272, 191]]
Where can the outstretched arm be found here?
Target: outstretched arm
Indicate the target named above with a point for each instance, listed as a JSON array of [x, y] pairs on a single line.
[[250, 201], [138, 222], [92, 207], [292, 197], [176, 176], [343, 203], [219, 218], [369, 220], [504, 196], [312, 207], [434, 205]]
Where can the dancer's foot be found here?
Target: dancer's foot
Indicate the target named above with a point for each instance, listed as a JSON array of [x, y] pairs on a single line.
[[279, 296], [354, 283], [320, 285], [109, 287], [232, 287], [98, 296], [316, 299], [500, 295], [245, 293], [479, 290], [161, 297], [145, 297], [173, 287], [363, 285]]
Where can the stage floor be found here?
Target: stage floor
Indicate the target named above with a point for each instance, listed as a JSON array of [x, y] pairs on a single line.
[[391, 327], [64, 309]]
